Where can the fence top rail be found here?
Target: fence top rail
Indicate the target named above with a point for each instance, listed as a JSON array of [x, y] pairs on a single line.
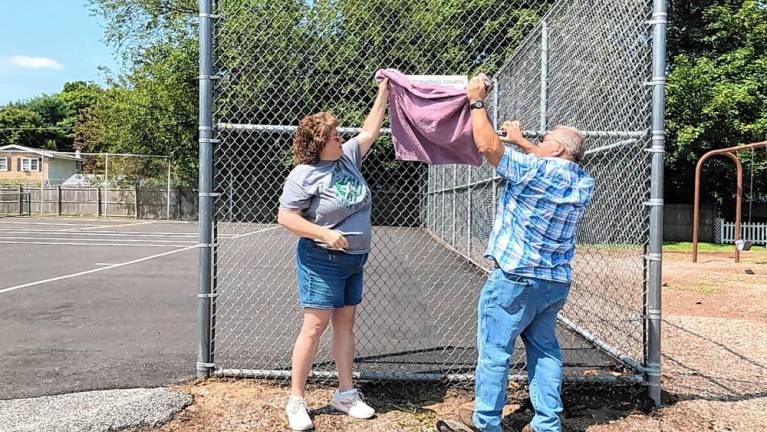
[[116, 155], [387, 131]]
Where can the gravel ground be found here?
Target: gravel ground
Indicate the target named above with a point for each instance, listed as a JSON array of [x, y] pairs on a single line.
[[93, 411]]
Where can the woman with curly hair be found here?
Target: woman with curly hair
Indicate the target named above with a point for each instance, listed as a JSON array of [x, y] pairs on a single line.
[[327, 203]]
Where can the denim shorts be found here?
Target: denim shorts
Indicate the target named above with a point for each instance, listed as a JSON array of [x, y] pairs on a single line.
[[328, 279]]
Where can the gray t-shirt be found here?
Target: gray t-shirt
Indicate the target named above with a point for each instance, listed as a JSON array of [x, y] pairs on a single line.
[[334, 195]]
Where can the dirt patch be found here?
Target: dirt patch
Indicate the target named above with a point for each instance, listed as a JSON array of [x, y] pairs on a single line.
[[714, 373], [716, 286], [249, 405]]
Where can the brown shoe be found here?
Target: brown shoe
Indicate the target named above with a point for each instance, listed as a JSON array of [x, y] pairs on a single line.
[[464, 423]]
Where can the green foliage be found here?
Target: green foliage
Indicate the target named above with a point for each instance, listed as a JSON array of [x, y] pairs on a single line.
[[705, 247], [151, 110], [48, 121], [282, 59], [21, 126], [131, 26], [716, 94]]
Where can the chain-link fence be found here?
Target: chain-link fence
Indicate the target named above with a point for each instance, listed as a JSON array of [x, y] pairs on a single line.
[[94, 184], [131, 185], [586, 64]]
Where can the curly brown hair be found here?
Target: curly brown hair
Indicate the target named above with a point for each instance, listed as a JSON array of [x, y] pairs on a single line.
[[310, 137]]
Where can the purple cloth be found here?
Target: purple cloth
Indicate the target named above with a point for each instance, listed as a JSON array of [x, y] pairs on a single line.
[[429, 123]]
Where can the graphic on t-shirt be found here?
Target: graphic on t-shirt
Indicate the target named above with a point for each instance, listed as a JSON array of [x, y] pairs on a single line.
[[348, 190]]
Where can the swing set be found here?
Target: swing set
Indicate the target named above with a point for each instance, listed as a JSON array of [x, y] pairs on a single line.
[[732, 153]]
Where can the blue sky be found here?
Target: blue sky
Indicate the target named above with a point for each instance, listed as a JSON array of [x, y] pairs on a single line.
[[45, 43]]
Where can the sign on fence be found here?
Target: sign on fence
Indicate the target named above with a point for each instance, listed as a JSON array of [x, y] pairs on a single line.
[[452, 81]]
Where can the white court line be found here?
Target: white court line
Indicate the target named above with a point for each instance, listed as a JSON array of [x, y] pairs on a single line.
[[253, 232], [89, 244], [55, 231], [13, 288], [26, 285], [99, 234], [47, 223], [120, 225], [69, 239]]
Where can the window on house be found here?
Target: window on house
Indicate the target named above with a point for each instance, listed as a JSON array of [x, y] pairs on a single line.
[[29, 164], [3, 164]]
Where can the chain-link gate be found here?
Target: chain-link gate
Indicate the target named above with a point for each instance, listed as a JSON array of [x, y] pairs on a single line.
[[589, 64]]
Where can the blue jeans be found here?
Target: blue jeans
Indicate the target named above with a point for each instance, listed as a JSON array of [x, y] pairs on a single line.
[[328, 279], [511, 306]]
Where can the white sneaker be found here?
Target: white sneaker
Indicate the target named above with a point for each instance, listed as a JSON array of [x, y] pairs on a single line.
[[298, 415], [352, 403]]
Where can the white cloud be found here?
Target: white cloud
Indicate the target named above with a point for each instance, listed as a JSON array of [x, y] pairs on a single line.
[[35, 62]]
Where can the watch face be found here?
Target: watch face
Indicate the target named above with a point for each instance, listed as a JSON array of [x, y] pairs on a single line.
[[478, 104]]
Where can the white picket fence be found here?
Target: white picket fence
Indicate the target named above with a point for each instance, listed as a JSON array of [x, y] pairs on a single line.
[[756, 232]]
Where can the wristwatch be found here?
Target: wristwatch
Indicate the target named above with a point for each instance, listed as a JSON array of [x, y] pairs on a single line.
[[478, 104]]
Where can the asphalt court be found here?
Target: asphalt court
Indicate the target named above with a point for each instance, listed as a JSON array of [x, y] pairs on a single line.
[[93, 304], [89, 304]]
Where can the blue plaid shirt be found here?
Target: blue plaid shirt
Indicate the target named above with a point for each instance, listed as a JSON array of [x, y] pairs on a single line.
[[534, 229]]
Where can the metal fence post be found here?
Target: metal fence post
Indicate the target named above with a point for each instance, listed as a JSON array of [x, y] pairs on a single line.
[[455, 196], [496, 94], [444, 185], [205, 223], [136, 201], [230, 197], [657, 150], [543, 125], [98, 202], [106, 186], [469, 215], [167, 199]]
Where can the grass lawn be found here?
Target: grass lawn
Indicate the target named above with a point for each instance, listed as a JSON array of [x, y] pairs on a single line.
[[705, 247]]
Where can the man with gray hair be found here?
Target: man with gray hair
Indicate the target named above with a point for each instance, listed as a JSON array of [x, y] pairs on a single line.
[[530, 249]]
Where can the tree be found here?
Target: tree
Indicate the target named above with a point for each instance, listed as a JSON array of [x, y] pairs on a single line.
[[50, 111], [150, 110], [152, 107], [80, 98], [88, 132], [22, 126], [77, 97], [284, 59], [135, 25], [55, 115], [716, 93]]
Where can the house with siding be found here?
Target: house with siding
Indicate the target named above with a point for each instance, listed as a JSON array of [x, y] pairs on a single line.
[[26, 165]]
